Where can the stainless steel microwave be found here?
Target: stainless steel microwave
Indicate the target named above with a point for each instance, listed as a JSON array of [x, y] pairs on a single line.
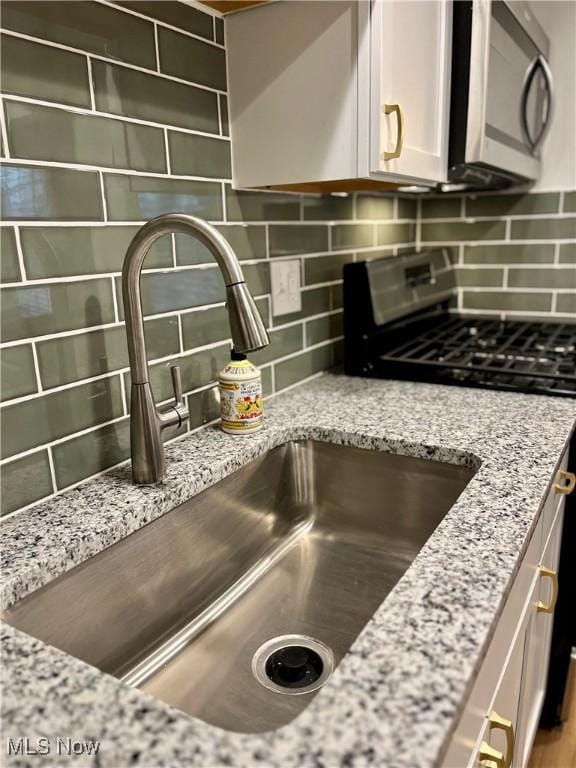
[[502, 95]]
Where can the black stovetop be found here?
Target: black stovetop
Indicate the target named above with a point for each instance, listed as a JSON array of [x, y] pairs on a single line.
[[523, 356]]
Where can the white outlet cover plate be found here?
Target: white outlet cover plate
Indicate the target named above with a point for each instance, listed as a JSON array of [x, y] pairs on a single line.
[[286, 287]]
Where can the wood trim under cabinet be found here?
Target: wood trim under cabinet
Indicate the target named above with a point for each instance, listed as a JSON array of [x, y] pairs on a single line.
[[230, 6], [339, 185]]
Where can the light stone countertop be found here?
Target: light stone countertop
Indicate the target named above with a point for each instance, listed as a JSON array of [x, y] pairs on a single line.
[[396, 696]]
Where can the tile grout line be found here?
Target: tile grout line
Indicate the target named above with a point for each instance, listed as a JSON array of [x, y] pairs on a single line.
[[103, 196], [20, 252], [156, 47], [219, 111], [125, 407], [52, 468], [115, 301], [36, 368], [91, 84], [167, 152]]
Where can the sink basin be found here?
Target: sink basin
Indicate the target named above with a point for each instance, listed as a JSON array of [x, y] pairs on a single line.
[[306, 540]]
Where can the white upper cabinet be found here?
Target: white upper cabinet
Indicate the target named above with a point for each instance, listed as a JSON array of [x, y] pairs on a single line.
[[340, 94], [411, 47]]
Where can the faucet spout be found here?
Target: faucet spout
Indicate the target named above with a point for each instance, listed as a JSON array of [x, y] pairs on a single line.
[[248, 333]]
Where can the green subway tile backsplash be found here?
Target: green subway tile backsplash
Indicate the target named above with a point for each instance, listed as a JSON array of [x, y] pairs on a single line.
[[209, 326], [261, 206], [566, 303], [91, 452], [513, 205], [24, 481], [302, 366], [480, 278], [324, 328], [173, 291], [158, 142], [37, 309], [9, 266], [139, 198], [544, 229], [90, 26], [40, 72], [223, 101], [352, 236], [441, 208], [191, 59], [325, 269], [49, 417], [82, 356], [328, 207], [248, 242], [512, 302], [18, 374], [34, 193], [199, 156], [387, 234], [456, 231], [508, 254], [46, 133], [176, 14], [283, 342], [291, 239], [68, 251], [567, 253], [219, 30], [130, 93], [569, 202], [563, 278], [368, 207]]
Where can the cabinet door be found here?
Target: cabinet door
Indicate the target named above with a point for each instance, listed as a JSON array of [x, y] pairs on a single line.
[[537, 645], [501, 721], [411, 45]]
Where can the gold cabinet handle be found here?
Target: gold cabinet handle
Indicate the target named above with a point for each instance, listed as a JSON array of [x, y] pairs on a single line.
[[490, 757], [497, 721], [388, 109], [540, 606], [565, 487]]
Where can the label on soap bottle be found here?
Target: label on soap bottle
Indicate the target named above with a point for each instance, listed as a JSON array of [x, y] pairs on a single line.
[[240, 397]]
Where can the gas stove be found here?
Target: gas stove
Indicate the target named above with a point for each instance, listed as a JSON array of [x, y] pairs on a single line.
[[400, 322]]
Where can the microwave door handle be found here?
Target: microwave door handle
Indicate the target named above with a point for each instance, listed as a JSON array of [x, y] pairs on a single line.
[[549, 109], [539, 62]]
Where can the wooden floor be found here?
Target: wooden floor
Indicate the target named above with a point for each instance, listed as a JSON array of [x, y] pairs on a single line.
[[557, 748]]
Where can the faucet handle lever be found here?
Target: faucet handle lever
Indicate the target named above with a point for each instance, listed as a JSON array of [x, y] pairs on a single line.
[[176, 383]]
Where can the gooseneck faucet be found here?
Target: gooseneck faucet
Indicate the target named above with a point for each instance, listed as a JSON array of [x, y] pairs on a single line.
[[147, 421]]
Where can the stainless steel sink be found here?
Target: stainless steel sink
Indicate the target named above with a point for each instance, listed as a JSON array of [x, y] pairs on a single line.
[[305, 540]]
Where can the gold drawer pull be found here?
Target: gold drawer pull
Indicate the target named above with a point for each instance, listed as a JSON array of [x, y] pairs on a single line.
[[490, 757], [497, 721], [388, 109], [565, 487], [540, 606]]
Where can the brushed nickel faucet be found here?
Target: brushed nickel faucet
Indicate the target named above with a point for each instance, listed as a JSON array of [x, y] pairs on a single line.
[[147, 421]]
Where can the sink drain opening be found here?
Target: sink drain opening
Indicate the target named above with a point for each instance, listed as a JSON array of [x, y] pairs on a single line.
[[293, 664]]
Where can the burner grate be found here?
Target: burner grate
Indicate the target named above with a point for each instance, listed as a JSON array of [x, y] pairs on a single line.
[[516, 355]]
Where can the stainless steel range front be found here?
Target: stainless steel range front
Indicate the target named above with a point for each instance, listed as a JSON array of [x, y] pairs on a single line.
[[401, 322]]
